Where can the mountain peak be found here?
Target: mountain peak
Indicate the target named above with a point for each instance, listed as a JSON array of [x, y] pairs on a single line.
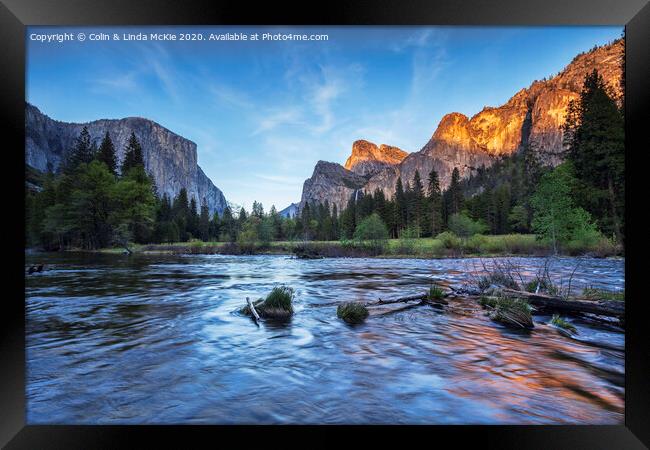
[[453, 127], [367, 158]]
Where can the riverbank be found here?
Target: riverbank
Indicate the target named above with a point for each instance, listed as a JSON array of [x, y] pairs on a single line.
[[452, 247]]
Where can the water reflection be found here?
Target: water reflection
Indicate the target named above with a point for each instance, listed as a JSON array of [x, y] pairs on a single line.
[[157, 339]]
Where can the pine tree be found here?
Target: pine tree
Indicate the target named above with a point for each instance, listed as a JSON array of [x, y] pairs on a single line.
[[193, 219], [365, 205], [305, 219], [501, 201], [276, 223], [258, 210], [163, 227], [597, 150], [336, 231], [204, 222], [215, 227], [82, 151], [132, 155], [400, 205], [348, 219], [455, 193], [242, 217], [435, 203], [416, 202], [326, 226], [228, 229], [106, 154], [180, 211]]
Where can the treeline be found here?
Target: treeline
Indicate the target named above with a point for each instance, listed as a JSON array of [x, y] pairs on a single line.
[[90, 204]]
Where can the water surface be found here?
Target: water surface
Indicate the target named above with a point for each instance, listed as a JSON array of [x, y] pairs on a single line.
[[157, 339]]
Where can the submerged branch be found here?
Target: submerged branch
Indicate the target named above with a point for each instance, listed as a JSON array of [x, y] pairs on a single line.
[[256, 317]]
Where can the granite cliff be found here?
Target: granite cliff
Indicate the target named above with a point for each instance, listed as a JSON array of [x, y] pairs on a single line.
[[332, 182], [532, 118], [169, 158]]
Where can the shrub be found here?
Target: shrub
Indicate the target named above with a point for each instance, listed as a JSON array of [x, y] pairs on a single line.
[[559, 322], [607, 247], [247, 237], [517, 244], [476, 243], [449, 240], [372, 231], [352, 312], [463, 226], [408, 239]]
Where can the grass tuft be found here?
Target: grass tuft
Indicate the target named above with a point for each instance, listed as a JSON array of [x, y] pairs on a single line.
[[602, 294], [561, 323], [280, 297], [352, 312], [513, 312], [497, 279], [277, 305], [488, 301], [436, 292]]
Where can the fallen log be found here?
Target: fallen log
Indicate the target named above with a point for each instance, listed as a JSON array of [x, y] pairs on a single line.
[[256, 317], [611, 308], [411, 298]]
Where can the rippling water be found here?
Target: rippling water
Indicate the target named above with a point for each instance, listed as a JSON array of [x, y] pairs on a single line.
[[156, 339]]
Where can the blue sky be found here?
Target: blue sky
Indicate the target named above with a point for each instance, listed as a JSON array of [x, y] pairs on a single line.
[[262, 113]]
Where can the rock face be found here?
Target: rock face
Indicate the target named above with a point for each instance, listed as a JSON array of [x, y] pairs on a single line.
[[168, 157], [331, 182], [533, 117], [290, 211], [367, 159]]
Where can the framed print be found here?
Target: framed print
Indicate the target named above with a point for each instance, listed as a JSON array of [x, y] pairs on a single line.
[[413, 215]]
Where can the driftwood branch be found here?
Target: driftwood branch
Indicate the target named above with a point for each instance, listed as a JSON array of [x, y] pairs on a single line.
[[256, 316], [611, 308]]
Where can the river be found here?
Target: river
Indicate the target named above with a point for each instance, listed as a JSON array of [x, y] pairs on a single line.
[[157, 339]]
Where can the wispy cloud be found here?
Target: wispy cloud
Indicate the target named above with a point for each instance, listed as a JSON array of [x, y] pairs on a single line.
[[322, 94], [161, 65], [326, 88], [227, 95], [280, 179], [276, 118], [146, 61], [119, 81], [420, 38]]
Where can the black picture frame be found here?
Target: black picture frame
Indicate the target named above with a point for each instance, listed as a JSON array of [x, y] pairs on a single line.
[[16, 14]]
